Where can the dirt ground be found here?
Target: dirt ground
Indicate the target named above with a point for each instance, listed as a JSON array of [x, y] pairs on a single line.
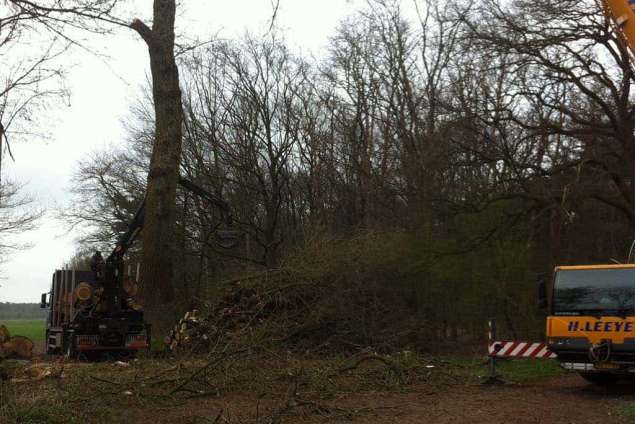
[[565, 399], [448, 395]]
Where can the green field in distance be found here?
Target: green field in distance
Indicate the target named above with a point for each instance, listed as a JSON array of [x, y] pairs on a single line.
[[33, 329]]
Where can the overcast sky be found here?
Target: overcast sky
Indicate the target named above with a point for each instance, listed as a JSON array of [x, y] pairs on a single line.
[[101, 92]]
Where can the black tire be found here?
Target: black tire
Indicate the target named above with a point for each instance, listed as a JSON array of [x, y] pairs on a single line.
[[128, 354], [600, 378], [120, 355], [90, 356]]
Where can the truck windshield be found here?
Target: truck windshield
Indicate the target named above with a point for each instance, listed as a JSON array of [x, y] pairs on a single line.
[[594, 290]]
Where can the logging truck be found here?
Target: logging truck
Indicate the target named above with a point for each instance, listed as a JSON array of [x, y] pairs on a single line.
[[94, 311], [87, 316]]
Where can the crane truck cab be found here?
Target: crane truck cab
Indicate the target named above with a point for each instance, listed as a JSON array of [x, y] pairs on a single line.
[[591, 322]]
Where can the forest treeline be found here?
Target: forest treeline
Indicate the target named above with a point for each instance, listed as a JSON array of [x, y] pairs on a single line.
[[444, 158], [21, 311]]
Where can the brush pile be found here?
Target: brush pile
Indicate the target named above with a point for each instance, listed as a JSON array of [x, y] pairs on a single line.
[[238, 310], [340, 297]]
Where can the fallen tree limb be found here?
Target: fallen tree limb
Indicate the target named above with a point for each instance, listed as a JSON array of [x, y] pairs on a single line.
[[206, 367], [103, 380], [373, 357]]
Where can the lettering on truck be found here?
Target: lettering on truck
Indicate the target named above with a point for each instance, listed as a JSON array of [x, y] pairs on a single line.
[[604, 326]]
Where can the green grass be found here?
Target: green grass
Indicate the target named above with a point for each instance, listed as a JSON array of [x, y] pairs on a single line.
[[627, 410], [528, 370], [512, 370], [33, 329], [156, 345]]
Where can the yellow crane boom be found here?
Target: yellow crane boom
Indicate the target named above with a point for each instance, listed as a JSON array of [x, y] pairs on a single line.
[[622, 14]]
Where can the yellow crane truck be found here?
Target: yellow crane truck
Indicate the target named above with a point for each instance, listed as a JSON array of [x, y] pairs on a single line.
[[591, 322]]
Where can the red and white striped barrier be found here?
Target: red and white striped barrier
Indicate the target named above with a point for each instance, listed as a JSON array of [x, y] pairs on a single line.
[[508, 349]]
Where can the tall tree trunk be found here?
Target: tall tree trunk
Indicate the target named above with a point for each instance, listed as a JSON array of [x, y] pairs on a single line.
[[157, 269]]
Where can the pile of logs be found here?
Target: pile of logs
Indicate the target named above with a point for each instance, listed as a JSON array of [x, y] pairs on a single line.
[[190, 334], [14, 347]]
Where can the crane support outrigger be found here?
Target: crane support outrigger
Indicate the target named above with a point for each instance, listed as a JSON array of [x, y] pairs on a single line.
[[95, 311]]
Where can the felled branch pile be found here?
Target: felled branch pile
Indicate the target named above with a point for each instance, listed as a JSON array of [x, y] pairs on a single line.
[[14, 347], [302, 315], [331, 297], [241, 310], [198, 332], [241, 307]]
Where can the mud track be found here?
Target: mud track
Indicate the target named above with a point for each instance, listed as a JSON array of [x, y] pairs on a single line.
[[566, 399]]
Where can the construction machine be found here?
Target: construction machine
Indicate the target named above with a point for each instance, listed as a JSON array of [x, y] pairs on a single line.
[[94, 311], [621, 14], [591, 322], [591, 308]]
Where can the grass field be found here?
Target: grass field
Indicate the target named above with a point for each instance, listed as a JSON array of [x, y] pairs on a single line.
[[519, 371], [33, 329]]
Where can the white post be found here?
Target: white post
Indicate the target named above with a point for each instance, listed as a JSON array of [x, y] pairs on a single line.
[[137, 274]]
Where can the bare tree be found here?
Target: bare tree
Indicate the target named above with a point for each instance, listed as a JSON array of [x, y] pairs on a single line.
[[571, 99], [108, 187], [62, 18], [405, 126], [243, 105], [29, 82], [17, 215]]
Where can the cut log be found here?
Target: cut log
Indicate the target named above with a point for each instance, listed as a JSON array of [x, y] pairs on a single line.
[[190, 333], [4, 334], [130, 287], [18, 347], [38, 371], [84, 291]]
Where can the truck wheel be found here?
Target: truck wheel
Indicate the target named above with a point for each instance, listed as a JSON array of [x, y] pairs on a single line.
[[127, 354], [600, 378]]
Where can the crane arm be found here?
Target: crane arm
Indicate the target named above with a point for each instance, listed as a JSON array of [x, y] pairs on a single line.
[[136, 224], [109, 273], [215, 200], [622, 16]]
